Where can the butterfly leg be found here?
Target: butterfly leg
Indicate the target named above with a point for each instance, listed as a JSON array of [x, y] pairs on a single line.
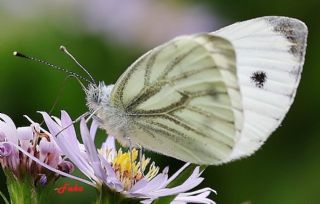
[[140, 159], [73, 122]]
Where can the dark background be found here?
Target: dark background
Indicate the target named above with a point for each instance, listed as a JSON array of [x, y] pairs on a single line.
[[107, 36]]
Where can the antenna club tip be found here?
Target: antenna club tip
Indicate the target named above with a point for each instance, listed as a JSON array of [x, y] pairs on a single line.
[[18, 54], [62, 48]]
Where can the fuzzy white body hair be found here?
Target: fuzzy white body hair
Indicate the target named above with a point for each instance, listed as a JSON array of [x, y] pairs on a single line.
[[110, 118]]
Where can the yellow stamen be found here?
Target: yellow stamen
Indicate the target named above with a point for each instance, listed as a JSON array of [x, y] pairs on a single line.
[[130, 171]]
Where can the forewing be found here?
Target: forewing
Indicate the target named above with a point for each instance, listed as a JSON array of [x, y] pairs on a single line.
[[182, 99], [270, 54]]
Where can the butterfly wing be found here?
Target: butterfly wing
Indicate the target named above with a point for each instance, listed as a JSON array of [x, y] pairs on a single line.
[[270, 54], [182, 99]]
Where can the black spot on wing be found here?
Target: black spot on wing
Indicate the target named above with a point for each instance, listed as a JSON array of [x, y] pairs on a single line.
[[259, 78]]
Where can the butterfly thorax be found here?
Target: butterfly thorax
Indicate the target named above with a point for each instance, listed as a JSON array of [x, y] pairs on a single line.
[[111, 119]]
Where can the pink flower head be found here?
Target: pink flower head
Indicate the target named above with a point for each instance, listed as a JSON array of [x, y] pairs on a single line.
[[37, 145]]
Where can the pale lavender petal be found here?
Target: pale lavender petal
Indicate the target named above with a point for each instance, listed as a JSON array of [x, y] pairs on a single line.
[[165, 182], [49, 152], [148, 201], [35, 127], [25, 144], [139, 185], [65, 122], [165, 170], [203, 190], [2, 136], [110, 145], [93, 129], [8, 128], [46, 147], [107, 166], [91, 150], [200, 198], [58, 121], [76, 157], [189, 184], [25, 133], [111, 179], [70, 149], [154, 184], [174, 176], [178, 202], [54, 129]]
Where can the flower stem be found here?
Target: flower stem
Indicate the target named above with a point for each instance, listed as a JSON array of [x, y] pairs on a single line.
[[23, 191], [108, 196]]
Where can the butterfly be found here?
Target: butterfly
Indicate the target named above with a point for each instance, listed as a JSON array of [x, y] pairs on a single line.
[[206, 98]]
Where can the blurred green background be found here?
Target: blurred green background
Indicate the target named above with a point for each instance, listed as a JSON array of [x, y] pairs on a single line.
[[108, 35]]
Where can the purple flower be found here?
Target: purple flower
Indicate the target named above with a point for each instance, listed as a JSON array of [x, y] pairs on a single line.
[[121, 171], [35, 146]]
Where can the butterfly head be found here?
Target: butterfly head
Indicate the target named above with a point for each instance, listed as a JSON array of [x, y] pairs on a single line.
[[97, 96]]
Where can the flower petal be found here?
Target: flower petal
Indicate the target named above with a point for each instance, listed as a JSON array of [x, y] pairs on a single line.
[[138, 186], [91, 150], [93, 129], [199, 198], [189, 184], [155, 184], [8, 128], [109, 145], [175, 175], [46, 147], [65, 122], [2, 136], [25, 133], [70, 146], [111, 179]]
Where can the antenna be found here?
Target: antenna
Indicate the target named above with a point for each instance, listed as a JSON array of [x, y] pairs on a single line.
[[19, 54], [64, 49]]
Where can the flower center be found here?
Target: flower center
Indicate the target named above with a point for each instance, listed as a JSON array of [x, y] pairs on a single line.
[[129, 169]]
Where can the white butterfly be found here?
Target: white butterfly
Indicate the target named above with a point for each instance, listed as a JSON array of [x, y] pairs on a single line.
[[207, 98]]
